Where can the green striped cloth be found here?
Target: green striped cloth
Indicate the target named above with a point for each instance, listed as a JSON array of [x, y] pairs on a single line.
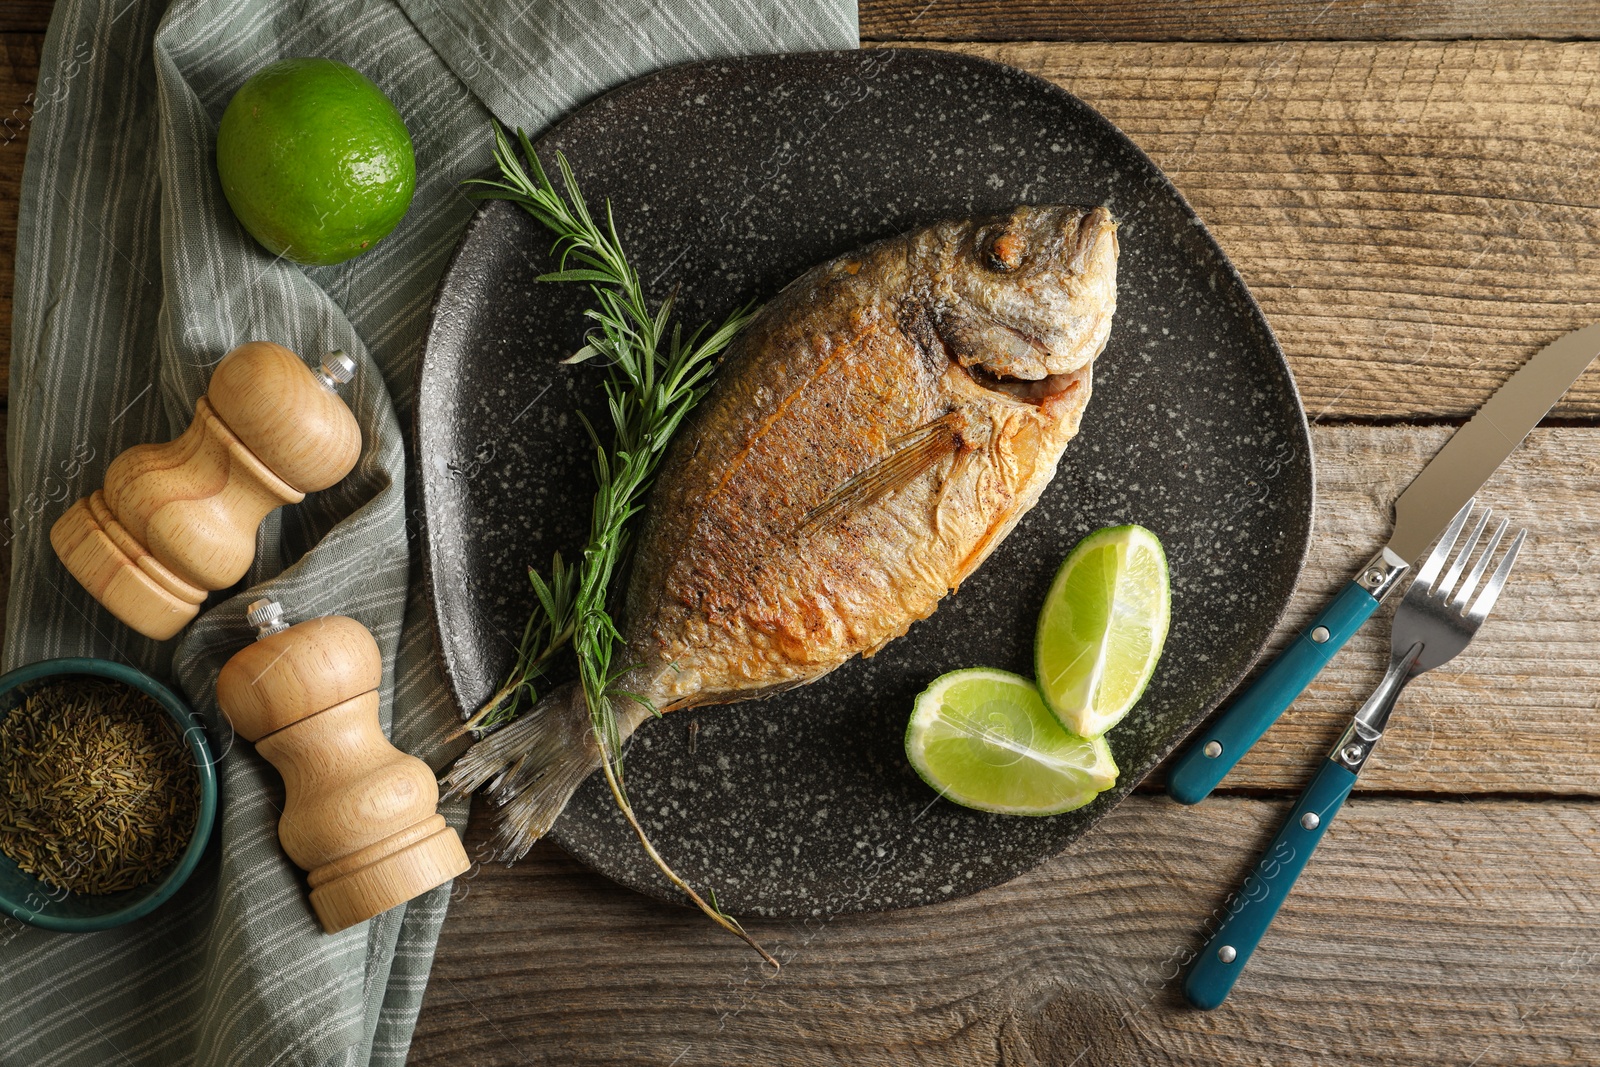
[[132, 281]]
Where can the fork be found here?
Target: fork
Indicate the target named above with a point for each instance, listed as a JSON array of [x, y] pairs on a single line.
[[1431, 627]]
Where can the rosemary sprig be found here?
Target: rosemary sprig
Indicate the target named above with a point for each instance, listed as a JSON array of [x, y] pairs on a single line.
[[657, 374], [549, 630]]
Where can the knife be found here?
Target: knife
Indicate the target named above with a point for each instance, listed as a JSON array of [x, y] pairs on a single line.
[[1451, 478]]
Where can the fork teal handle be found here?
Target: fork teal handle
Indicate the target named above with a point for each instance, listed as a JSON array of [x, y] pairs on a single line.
[[1252, 909], [1197, 771]]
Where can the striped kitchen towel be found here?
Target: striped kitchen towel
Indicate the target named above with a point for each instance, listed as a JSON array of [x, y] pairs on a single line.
[[132, 281]]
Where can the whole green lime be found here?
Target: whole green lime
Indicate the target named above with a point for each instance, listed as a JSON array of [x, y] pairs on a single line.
[[315, 161]]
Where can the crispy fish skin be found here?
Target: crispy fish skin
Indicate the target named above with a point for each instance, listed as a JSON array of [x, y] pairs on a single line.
[[873, 435], [734, 592]]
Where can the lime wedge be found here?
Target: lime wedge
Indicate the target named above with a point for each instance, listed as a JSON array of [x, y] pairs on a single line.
[[984, 738], [1102, 628]]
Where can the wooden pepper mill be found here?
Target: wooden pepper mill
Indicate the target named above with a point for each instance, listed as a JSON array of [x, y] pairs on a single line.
[[359, 815], [178, 520]]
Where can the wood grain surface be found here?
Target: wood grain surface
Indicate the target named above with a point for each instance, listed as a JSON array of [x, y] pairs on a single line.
[[1417, 216], [1413, 217], [1516, 712], [25, 16], [1416, 219], [1161, 20], [1408, 217], [1424, 933], [19, 71], [1221, 20]]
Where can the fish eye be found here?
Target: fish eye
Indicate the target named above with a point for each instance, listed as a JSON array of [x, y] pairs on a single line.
[[1004, 250]]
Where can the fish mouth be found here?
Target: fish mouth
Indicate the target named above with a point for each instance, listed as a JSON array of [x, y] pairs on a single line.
[[1028, 339], [934, 341], [1028, 390]]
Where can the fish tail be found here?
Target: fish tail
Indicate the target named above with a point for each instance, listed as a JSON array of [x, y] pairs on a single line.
[[531, 768]]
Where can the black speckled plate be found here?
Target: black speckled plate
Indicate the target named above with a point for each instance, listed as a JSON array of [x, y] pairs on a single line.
[[732, 178]]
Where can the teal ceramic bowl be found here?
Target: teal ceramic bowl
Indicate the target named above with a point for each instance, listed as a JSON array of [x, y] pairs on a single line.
[[24, 897]]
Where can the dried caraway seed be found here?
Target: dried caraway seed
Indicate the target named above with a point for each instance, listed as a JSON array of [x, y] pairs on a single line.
[[99, 791]]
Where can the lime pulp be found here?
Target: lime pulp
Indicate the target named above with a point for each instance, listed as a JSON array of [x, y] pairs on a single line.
[[984, 739], [1102, 628]]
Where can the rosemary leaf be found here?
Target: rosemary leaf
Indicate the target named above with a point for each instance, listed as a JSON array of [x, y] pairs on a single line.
[[656, 375]]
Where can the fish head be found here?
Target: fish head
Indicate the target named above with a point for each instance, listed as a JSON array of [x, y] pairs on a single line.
[[1026, 299]]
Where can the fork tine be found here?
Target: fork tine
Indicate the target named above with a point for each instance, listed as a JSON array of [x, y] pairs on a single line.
[[1459, 561], [1462, 595], [1441, 552], [1491, 592]]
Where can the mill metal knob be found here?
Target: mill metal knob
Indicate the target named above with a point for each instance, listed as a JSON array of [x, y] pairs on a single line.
[[177, 520], [267, 617], [359, 815], [336, 369]]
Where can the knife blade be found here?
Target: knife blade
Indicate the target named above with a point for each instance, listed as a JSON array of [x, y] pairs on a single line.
[[1456, 473], [1452, 477]]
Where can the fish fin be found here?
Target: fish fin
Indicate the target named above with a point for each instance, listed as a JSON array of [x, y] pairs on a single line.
[[531, 767], [958, 470], [910, 457]]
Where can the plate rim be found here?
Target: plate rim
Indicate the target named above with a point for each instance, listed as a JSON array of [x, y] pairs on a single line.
[[481, 217]]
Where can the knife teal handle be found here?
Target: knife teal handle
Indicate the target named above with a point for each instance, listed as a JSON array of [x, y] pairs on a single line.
[[1197, 773], [1252, 908]]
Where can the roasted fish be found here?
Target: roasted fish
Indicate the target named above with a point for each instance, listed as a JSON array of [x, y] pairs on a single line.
[[874, 434]]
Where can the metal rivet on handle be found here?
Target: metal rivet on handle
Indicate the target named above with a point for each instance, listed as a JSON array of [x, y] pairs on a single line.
[[1320, 634], [1227, 954], [1310, 821], [1213, 749], [1352, 753]]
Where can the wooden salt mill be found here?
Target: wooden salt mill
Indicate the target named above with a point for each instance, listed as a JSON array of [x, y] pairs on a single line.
[[178, 520], [359, 815]]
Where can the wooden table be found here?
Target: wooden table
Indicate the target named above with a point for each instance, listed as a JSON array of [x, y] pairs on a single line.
[[1413, 193]]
